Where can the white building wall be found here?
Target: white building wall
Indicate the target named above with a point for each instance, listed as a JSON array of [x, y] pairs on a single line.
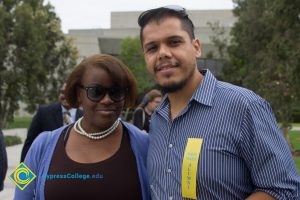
[[124, 24]]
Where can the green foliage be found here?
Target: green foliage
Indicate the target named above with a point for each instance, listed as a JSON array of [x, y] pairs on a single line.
[[35, 56], [295, 139], [10, 140], [219, 39], [19, 122], [264, 53], [297, 162], [132, 55]]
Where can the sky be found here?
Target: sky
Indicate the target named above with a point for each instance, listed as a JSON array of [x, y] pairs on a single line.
[[90, 14]]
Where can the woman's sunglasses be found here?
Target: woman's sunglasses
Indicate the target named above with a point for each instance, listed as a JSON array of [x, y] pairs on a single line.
[[97, 92]]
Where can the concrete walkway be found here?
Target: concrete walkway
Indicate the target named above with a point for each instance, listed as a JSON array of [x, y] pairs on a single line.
[[296, 128], [13, 156]]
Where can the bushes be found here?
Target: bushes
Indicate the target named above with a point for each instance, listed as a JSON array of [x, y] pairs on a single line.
[[10, 140]]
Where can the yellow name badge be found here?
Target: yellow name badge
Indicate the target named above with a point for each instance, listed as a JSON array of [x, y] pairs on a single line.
[[189, 167]]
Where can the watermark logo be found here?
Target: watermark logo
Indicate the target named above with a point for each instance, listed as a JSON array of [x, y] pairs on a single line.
[[74, 176], [22, 176]]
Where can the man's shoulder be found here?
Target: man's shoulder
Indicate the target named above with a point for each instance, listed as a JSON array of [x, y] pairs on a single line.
[[49, 106], [237, 93]]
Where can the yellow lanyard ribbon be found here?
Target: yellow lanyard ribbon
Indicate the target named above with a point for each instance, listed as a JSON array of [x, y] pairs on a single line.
[[189, 168]]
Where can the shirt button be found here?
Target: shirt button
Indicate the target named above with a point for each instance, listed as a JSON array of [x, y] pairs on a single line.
[[170, 145], [170, 198], [169, 170]]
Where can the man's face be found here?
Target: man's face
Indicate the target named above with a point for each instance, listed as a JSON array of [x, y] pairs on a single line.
[[170, 54], [62, 98]]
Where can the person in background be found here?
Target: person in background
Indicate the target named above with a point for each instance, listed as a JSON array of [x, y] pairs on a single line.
[[208, 139], [142, 114], [3, 161], [107, 154], [50, 117]]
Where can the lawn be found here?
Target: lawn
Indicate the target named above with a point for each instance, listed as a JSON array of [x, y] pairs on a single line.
[[295, 140], [296, 124], [19, 122], [297, 161]]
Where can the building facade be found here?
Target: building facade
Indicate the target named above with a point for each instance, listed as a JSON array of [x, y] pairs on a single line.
[[124, 24]]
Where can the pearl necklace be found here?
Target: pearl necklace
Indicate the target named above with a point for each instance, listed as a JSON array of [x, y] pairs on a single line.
[[97, 135]]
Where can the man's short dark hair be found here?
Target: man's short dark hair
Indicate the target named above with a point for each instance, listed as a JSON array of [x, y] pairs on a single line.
[[158, 14]]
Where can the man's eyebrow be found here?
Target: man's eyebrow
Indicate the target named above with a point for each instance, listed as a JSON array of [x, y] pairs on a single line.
[[175, 37], [149, 44], [166, 39]]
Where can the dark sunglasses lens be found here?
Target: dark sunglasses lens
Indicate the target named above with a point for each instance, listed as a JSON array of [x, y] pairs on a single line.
[[95, 93], [117, 94]]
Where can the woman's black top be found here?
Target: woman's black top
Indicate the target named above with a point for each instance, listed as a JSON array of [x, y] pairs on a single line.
[[112, 179]]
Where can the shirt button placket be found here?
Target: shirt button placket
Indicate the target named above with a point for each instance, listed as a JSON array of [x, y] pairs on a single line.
[[169, 162]]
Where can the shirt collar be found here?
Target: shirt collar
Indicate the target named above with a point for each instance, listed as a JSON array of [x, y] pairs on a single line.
[[72, 112], [205, 91], [203, 94]]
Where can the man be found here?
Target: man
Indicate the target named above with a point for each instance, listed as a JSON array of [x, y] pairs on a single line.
[[50, 117], [3, 161], [208, 139]]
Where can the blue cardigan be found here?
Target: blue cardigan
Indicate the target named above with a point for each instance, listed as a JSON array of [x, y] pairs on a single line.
[[40, 154]]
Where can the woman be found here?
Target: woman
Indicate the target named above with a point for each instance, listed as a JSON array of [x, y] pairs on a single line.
[[142, 115], [98, 157]]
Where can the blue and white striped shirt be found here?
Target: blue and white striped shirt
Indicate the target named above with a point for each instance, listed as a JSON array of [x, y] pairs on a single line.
[[243, 150]]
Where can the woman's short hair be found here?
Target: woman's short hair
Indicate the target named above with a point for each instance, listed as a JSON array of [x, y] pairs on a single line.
[[150, 96], [117, 70]]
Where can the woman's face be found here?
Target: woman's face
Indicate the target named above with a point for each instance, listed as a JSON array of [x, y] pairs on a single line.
[[98, 115]]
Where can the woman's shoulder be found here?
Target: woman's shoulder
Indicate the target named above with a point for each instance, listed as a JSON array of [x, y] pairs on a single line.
[[46, 138], [139, 139], [135, 131]]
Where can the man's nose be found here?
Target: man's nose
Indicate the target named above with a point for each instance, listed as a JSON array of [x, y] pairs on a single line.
[[164, 52]]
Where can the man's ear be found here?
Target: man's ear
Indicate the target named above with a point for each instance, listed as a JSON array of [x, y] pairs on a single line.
[[197, 46]]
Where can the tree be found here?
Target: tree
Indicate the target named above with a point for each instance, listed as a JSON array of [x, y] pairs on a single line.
[[132, 55], [8, 97], [264, 53], [36, 55], [219, 39]]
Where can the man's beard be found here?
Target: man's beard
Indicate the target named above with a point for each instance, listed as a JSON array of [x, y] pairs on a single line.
[[174, 87]]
